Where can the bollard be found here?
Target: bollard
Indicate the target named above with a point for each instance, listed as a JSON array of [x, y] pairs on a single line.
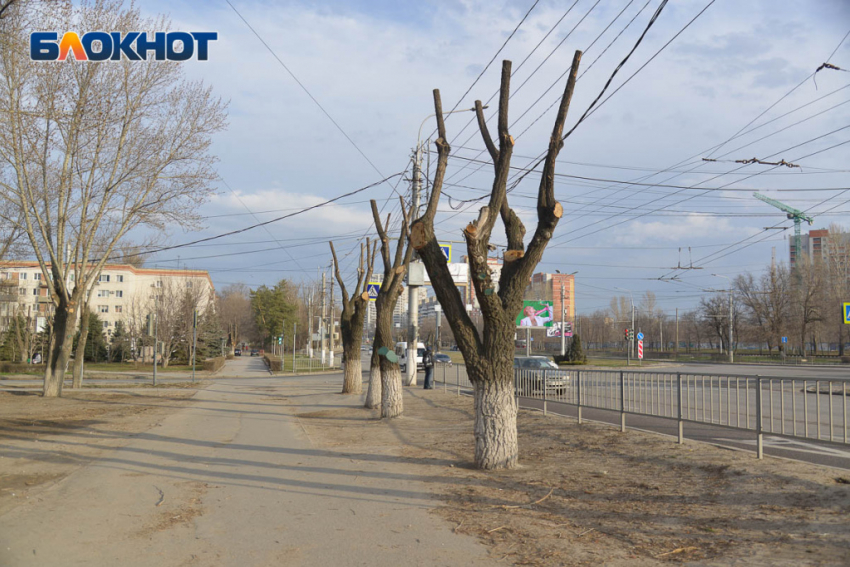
[[679, 408]]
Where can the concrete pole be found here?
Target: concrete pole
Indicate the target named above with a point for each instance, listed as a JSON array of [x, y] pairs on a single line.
[[563, 338], [332, 323], [438, 310], [413, 291], [155, 334], [322, 323], [310, 326], [731, 351]]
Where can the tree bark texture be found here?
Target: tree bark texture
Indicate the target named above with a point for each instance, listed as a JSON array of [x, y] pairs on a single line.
[[80, 352], [352, 381], [64, 325], [495, 423], [373, 394], [489, 355]]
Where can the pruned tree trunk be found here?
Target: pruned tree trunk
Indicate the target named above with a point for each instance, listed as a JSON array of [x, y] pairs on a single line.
[[373, 394], [352, 381], [352, 317], [80, 353], [390, 393], [489, 355], [495, 424]]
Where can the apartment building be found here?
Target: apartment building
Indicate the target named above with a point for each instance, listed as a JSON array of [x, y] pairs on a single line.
[[121, 291]]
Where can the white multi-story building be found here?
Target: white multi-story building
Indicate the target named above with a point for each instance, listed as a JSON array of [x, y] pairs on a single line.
[[119, 290]]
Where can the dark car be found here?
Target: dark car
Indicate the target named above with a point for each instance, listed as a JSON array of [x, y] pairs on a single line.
[[441, 358], [255, 352], [237, 352], [531, 372]]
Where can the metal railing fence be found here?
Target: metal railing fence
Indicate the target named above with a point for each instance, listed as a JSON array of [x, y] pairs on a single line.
[[801, 408]]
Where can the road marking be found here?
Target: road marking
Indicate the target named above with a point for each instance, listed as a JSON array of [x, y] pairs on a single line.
[[793, 445]]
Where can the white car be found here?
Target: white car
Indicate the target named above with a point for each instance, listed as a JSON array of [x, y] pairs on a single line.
[[401, 352]]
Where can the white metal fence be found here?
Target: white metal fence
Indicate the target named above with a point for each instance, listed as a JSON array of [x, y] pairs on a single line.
[[789, 407]]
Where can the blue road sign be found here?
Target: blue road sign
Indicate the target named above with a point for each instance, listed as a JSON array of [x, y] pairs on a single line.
[[640, 336], [784, 339], [373, 288], [446, 249], [847, 313]]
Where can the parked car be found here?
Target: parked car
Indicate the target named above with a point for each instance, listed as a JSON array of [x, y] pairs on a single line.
[[237, 352], [441, 358], [255, 352], [534, 370]]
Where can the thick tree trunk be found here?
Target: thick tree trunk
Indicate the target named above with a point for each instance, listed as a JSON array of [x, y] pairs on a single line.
[[495, 424], [373, 394], [80, 353], [352, 382], [392, 399], [64, 325], [392, 402]]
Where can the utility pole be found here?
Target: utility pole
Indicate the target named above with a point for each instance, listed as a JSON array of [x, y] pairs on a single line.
[[731, 350], [194, 340], [438, 310], [155, 334], [563, 315], [294, 334], [413, 290], [322, 322], [310, 326], [332, 322]]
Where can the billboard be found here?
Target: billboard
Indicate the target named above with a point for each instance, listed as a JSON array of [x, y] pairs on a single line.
[[555, 329], [535, 314]]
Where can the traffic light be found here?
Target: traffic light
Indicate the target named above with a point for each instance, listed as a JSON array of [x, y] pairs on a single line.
[[627, 334], [149, 324], [280, 340]]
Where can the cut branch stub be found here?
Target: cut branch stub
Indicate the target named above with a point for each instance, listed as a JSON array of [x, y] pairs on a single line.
[[364, 296], [558, 211], [418, 236], [471, 230], [513, 255]]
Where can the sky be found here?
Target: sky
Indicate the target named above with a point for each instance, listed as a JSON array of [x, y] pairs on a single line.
[[370, 67]]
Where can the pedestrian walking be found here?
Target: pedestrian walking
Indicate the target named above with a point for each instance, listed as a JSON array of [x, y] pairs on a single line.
[[428, 364]]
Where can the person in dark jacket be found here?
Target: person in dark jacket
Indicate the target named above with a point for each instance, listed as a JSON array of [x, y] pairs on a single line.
[[428, 363]]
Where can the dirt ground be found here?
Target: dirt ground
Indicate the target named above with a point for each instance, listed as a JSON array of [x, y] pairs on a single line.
[[590, 495], [108, 419]]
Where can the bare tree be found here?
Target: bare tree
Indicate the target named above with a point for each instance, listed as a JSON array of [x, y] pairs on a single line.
[[384, 376], [489, 356], [89, 152], [353, 315]]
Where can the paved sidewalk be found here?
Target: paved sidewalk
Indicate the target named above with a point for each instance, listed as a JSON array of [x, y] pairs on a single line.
[[234, 481]]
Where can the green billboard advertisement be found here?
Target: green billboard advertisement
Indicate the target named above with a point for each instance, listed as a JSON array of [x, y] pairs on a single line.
[[535, 314]]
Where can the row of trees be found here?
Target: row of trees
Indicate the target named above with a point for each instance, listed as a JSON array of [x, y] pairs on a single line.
[[90, 153], [803, 304]]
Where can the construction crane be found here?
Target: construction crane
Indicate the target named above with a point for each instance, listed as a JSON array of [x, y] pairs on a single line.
[[793, 214]]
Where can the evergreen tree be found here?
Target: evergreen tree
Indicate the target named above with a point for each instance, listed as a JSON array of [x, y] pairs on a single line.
[[96, 341], [575, 353], [210, 334], [120, 343]]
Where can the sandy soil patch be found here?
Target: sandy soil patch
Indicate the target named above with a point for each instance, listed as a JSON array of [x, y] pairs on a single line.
[[590, 495], [43, 440]]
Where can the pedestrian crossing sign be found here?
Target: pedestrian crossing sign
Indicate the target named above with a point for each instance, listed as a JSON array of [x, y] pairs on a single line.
[[446, 249], [847, 313], [373, 288]]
